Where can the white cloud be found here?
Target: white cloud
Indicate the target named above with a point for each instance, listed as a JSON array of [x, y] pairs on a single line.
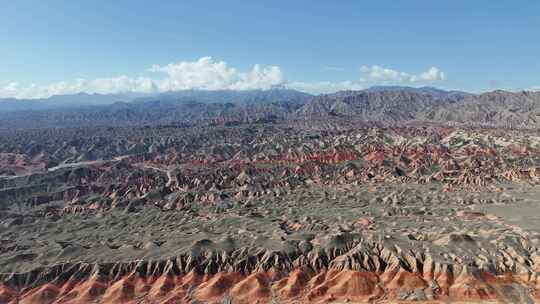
[[208, 74], [370, 75], [376, 73], [204, 73], [99, 85], [535, 88], [325, 86]]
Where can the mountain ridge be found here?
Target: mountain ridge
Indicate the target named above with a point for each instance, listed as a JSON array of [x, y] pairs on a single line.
[[385, 106]]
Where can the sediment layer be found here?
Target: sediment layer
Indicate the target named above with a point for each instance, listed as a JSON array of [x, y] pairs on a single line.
[[355, 272]]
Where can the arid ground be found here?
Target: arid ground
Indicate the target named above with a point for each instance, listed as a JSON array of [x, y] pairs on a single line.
[[270, 213]]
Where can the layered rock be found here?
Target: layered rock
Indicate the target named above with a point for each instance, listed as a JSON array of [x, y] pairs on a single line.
[[357, 272]]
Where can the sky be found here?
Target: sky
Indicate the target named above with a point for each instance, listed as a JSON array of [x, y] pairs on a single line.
[[64, 47]]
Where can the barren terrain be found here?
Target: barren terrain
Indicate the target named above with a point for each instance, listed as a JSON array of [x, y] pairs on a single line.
[[314, 210]]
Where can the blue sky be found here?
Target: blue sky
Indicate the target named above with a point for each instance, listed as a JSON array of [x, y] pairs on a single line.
[[49, 47]]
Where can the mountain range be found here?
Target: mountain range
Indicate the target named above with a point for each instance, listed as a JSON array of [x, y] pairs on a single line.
[[382, 105], [205, 96]]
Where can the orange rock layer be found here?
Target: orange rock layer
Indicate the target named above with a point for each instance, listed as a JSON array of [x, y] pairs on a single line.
[[301, 285]]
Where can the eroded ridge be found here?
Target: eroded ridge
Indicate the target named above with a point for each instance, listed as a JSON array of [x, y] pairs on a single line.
[[270, 214], [357, 271]]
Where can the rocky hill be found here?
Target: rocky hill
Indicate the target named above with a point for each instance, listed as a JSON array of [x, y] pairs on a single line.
[[281, 212], [395, 106], [379, 105], [495, 109], [180, 108], [387, 107]]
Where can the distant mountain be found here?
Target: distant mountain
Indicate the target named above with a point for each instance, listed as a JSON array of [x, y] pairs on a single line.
[[61, 101], [203, 96], [230, 96], [381, 105], [397, 105], [435, 92], [183, 107], [497, 109]]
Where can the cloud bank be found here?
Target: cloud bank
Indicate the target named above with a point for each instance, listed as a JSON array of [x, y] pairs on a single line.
[[204, 73], [209, 74], [326, 86], [380, 74], [99, 85], [369, 76]]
